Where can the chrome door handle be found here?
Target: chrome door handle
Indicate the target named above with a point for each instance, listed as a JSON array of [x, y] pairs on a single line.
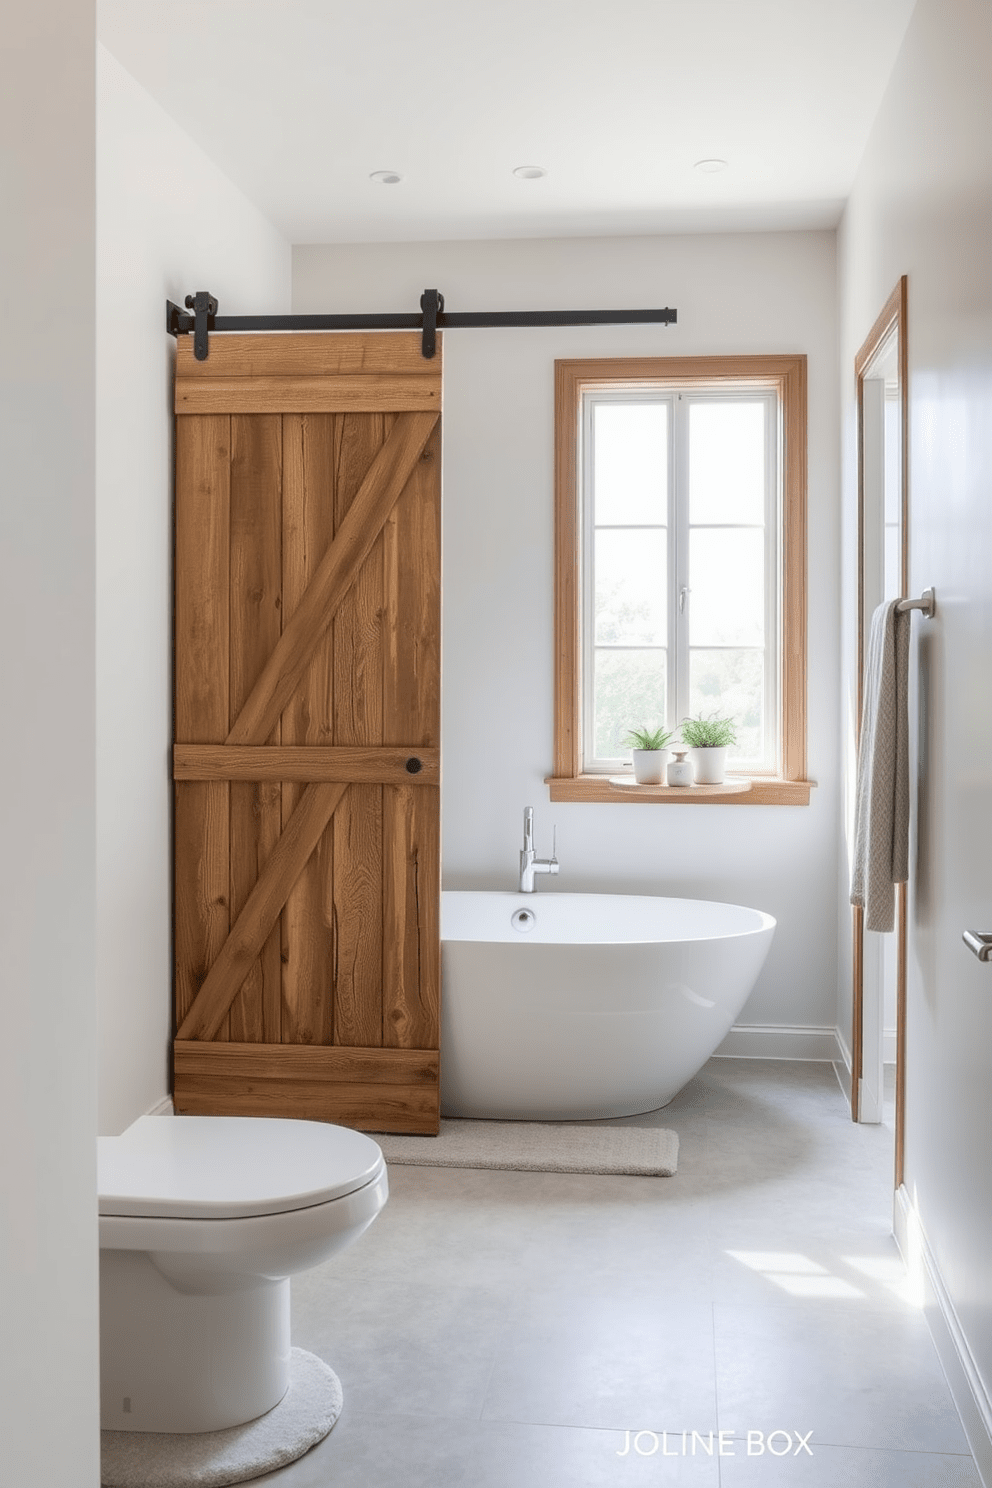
[[979, 941]]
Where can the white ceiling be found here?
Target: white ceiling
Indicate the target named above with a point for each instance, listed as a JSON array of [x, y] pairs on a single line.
[[299, 100]]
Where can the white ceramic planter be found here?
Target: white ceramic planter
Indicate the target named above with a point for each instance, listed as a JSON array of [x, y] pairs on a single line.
[[710, 765], [649, 766]]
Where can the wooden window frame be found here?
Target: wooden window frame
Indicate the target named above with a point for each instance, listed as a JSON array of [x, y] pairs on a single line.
[[788, 375]]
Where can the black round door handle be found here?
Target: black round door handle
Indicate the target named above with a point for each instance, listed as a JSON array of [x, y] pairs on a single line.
[[414, 766]]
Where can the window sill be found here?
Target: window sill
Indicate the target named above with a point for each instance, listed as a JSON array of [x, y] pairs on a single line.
[[756, 791]]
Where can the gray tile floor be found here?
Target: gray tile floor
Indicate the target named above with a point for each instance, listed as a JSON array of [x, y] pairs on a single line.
[[503, 1330]]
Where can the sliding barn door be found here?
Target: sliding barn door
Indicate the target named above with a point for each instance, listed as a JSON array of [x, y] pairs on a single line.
[[306, 761]]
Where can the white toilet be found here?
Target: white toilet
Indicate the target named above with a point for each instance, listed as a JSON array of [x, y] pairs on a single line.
[[203, 1219]]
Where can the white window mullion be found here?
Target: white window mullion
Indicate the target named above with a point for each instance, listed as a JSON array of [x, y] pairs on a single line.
[[679, 518], [588, 547]]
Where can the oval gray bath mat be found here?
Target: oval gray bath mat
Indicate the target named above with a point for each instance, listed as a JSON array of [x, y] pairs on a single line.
[[211, 1459], [538, 1147]]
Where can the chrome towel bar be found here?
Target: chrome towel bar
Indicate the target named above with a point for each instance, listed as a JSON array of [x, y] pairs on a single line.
[[979, 941]]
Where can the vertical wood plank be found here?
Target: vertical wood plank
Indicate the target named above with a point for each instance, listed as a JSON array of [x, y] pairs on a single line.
[[357, 826], [357, 910], [412, 659], [411, 928], [411, 705], [255, 627], [202, 883], [203, 501], [307, 922], [357, 626]]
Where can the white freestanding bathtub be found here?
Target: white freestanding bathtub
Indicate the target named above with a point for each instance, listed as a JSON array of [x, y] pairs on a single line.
[[569, 1007]]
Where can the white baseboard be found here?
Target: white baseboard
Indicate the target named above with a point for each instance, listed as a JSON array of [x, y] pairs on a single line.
[[779, 1041], [843, 1065], [888, 1048], [164, 1107], [966, 1386], [845, 1051]]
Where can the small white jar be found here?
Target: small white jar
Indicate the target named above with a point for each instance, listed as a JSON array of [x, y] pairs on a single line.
[[680, 770]]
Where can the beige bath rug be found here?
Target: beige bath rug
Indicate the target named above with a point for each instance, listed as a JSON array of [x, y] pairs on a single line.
[[210, 1459], [539, 1148]]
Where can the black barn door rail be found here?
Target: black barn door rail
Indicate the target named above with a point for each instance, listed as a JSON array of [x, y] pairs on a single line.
[[432, 318]]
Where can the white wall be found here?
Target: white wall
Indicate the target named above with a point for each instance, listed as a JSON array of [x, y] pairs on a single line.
[[168, 223], [922, 205], [48, 1234], [734, 293]]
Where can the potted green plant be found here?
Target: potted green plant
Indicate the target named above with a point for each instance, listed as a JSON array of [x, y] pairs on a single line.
[[647, 746], [707, 740]]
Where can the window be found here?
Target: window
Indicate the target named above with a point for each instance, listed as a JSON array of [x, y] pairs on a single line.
[[679, 521], [680, 584]]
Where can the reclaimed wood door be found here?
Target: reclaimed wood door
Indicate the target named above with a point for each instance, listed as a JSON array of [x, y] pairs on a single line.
[[307, 721]]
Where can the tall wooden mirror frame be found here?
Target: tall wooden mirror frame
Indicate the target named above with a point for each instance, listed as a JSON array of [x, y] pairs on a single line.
[[892, 318]]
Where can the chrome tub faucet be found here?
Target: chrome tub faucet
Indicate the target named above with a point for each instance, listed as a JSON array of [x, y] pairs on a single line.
[[529, 864]]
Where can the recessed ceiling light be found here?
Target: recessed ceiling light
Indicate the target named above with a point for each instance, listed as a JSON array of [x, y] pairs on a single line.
[[386, 178], [710, 167], [529, 172]]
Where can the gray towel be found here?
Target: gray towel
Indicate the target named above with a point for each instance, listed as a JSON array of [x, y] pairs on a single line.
[[881, 823]]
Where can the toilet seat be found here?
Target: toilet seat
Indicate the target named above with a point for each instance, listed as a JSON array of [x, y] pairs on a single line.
[[230, 1167]]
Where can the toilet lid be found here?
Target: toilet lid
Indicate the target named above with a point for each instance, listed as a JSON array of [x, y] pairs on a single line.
[[230, 1167]]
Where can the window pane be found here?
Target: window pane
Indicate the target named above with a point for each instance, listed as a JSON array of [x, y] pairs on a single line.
[[892, 462], [731, 684], [630, 462], [727, 462], [631, 587], [630, 692], [892, 580], [727, 586]]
